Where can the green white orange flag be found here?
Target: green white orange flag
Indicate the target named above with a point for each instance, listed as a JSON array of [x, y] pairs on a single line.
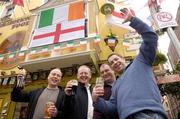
[[57, 46], [97, 39], [70, 44], [83, 41], [21, 53], [33, 51], [59, 24], [44, 49], [1, 57], [11, 56], [126, 43]]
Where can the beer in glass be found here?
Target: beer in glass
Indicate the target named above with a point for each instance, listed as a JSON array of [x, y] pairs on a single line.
[[74, 86], [47, 106]]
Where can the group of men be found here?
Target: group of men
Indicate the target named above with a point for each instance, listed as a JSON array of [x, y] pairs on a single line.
[[130, 91]]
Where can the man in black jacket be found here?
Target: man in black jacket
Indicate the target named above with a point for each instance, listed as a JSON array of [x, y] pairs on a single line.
[[37, 99], [79, 105]]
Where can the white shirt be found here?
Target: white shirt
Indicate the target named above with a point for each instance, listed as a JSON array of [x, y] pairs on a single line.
[[90, 104]]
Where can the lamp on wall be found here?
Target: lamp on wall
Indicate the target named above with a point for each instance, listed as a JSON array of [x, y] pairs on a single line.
[[13, 72], [3, 73], [107, 9]]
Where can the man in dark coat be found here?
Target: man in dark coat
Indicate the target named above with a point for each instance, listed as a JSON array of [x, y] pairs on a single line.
[[79, 105], [37, 99]]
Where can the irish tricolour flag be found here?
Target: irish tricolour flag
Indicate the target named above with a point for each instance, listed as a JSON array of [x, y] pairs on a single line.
[[1, 58], [59, 24]]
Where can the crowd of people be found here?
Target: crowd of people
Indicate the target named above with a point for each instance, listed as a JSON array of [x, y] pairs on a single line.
[[128, 92]]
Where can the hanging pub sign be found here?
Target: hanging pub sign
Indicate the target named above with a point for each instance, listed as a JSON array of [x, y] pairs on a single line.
[[15, 23], [20, 22]]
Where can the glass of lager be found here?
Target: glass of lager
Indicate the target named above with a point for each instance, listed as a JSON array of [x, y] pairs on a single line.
[[74, 84], [99, 82], [46, 112]]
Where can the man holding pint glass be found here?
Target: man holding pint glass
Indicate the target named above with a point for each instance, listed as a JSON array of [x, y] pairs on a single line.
[[105, 82], [78, 100], [43, 103]]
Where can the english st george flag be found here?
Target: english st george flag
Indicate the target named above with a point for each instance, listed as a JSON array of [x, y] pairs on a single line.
[[117, 17], [18, 2], [59, 24]]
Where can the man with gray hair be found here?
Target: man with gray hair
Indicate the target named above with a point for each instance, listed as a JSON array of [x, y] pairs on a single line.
[[79, 105]]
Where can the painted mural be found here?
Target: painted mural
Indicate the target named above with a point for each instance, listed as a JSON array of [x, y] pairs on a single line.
[[12, 43]]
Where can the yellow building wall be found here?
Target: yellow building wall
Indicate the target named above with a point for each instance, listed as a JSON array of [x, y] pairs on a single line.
[[24, 11], [95, 18], [5, 35], [18, 13], [104, 31]]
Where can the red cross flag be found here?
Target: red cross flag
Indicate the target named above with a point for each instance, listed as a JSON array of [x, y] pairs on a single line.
[[18, 2], [59, 24], [117, 17]]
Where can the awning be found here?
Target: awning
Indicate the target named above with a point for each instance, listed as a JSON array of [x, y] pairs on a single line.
[[61, 61]]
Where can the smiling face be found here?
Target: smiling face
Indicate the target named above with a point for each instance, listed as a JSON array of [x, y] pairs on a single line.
[[107, 73], [117, 63], [54, 78], [84, 74]]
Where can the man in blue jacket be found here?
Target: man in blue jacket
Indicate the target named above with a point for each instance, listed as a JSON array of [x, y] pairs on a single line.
[[135, 94]]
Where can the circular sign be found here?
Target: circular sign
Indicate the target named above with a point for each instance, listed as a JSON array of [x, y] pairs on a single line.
[[164, 17]]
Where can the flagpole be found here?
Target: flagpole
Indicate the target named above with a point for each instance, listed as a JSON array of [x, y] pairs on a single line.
[[13, 10], [86, 18], [23, 11], [27, 3]]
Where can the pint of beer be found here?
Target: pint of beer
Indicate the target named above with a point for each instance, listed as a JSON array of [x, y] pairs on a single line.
[[74, 86], [99, 82], [46, 113], [21, 78]]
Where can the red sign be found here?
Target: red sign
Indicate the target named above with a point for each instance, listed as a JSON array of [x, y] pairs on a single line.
[[164, 17], [164, 20]]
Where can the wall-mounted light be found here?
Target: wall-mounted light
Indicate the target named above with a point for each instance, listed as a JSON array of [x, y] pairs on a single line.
[[107, 9]]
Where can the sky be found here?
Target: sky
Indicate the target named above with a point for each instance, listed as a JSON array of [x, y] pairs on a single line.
[[170, 6]]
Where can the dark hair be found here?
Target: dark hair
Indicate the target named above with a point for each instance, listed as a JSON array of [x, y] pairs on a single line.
[[104, 64], [114, 54], [56, 68]]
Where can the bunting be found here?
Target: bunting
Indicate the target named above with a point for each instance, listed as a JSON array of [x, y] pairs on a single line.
[[1, 58]]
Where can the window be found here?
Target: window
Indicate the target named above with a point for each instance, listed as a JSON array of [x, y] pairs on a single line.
[[7, 11]]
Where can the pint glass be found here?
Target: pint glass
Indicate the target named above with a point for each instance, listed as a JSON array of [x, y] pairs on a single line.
[[99, 82], [46, 113], [74, 86]]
